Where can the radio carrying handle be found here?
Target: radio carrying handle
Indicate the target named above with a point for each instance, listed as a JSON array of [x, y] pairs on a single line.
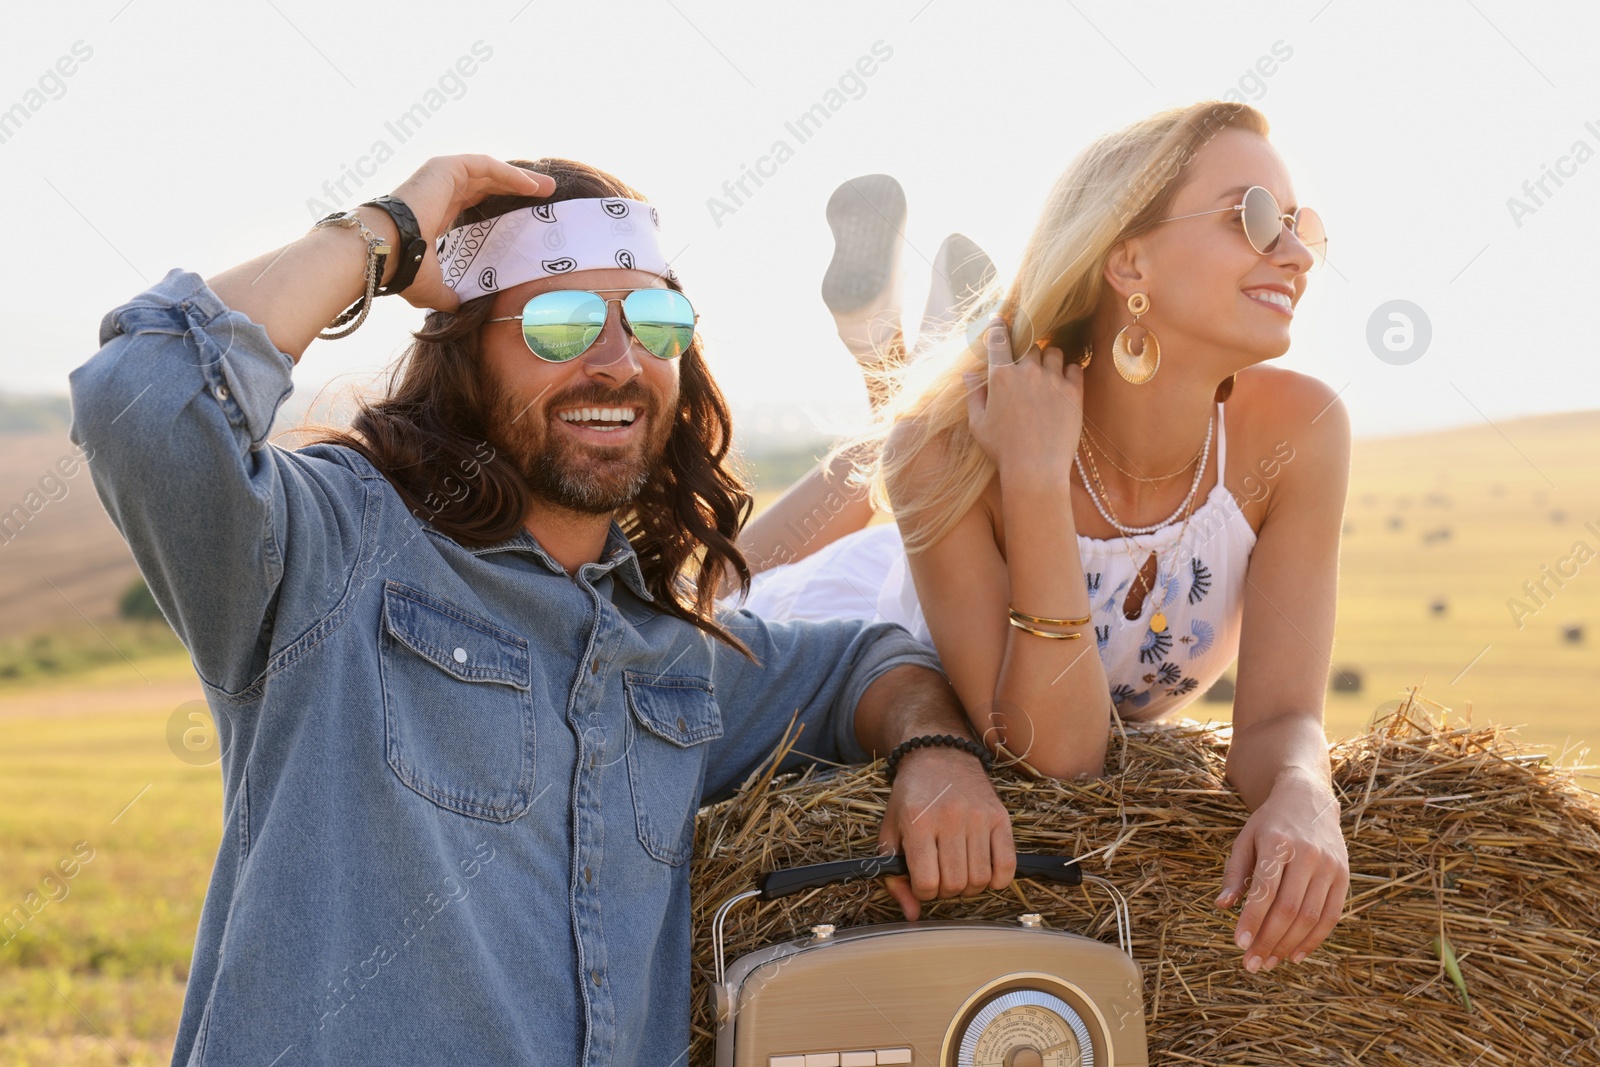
[[774, 884]]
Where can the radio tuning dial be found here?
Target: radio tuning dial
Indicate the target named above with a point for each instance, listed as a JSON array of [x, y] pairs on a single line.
[[1026, 1028]]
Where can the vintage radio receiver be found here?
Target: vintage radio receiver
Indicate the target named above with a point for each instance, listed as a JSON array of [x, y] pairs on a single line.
[[942, 993]]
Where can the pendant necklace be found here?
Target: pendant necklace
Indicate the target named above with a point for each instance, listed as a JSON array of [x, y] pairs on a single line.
[[1158, 618]]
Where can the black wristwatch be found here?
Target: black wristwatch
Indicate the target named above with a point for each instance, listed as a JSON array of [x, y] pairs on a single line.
[[411, 247]]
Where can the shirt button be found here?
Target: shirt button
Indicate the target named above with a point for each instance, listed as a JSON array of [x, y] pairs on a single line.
[[596, 976], [594, 666], [460, 655], [682, 726], [588, 875], [221, 392]]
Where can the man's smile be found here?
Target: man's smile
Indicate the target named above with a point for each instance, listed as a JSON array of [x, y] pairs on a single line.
[[615, 424]]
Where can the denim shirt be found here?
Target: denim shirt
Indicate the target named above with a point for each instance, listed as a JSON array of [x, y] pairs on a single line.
[[459, 785]]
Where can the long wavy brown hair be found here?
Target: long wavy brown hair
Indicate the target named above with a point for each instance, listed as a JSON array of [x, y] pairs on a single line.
[[429, 430]]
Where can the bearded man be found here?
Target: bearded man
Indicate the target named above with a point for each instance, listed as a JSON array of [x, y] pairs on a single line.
[[465, 658]]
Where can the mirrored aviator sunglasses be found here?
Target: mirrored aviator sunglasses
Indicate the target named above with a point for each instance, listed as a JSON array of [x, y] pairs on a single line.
[[562, 324]]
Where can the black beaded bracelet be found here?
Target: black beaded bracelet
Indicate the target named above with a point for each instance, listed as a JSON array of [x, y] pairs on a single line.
[[932, 741]]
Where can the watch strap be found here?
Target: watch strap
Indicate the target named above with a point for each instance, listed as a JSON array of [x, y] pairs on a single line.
[[411, 248]]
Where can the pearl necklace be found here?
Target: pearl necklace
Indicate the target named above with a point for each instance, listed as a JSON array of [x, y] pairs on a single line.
[[1097, 488]]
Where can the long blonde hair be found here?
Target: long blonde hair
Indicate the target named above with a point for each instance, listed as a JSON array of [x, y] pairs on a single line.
[[1116, 189]]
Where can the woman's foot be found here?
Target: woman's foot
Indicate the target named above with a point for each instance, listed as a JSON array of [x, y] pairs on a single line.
[[961, 271], [862, 283]]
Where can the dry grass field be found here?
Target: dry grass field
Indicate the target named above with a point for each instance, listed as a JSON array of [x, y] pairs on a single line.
[[1442, 529], [61, 560]]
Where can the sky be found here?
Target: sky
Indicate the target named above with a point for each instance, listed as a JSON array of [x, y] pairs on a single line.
[[1450, 147]]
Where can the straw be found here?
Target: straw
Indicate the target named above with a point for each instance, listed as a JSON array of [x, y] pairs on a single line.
[[1475, 879]]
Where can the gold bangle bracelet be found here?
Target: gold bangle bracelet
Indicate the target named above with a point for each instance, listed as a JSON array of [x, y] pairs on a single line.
[[1019, 624], [1040, 620]]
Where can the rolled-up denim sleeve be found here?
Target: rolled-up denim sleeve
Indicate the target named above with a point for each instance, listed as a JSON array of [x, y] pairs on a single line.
[[820, 670], [173, 412]]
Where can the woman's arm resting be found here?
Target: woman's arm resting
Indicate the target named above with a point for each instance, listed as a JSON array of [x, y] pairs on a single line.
[[1047, 701], [1291, 849]]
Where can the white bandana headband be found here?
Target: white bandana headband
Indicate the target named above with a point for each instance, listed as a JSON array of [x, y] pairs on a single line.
[[551, 239]]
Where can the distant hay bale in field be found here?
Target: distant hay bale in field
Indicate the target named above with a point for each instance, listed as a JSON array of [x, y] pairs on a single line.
[[1221, 691], [1433, 536], [1395, 522], [1452, 831], [1439, 606], [1572, 634], [1346, 680]]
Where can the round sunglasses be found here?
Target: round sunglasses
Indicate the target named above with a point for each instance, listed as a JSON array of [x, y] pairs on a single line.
[[561, 324], [1264, 224]]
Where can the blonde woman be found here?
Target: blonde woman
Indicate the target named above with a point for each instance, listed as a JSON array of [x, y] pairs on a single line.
[[1101, 511]]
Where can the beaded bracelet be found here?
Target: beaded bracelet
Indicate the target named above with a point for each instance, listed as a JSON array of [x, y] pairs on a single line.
[[891, 765]]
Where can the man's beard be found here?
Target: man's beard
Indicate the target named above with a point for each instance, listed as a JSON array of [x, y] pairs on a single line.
[[578, 477]]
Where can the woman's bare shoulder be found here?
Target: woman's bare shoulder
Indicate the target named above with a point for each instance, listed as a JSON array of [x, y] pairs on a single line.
[[1284, 415], [1283, 399]]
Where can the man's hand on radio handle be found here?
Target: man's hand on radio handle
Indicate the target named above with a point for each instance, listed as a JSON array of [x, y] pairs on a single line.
[[955, 834], [943, 815]]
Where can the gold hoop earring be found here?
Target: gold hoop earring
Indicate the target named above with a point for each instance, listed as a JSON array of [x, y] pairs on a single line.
[[1136, 369], [1088, 354]]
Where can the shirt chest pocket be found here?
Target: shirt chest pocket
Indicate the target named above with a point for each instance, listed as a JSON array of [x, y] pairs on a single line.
[[670, 720], [457, 706]]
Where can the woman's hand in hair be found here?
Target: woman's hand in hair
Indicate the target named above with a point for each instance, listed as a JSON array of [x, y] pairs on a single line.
[[1029, 412], [441, 189]]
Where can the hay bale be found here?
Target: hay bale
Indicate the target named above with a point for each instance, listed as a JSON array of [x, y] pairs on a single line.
[[1452, 831]]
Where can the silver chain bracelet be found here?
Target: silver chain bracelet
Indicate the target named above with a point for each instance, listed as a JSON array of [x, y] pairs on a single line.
[[377, 248]]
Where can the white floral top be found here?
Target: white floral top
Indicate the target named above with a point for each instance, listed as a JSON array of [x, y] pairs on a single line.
[[1199, 587]]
